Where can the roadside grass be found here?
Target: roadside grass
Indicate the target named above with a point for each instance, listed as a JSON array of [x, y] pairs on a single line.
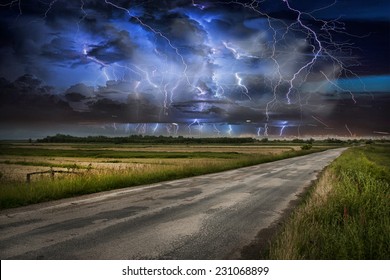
[[15, 193], [346, 215]]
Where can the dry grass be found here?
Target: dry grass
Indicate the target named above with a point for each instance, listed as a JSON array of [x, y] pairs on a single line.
[[17, 172]]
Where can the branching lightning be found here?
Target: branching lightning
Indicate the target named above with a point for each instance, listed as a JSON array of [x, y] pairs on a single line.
[[197, 79]]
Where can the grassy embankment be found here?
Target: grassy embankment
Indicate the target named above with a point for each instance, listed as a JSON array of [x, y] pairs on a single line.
[[170, 165], [347, 214]]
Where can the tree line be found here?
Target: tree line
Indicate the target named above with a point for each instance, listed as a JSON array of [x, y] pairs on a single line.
[[151, 139], [145, 139]]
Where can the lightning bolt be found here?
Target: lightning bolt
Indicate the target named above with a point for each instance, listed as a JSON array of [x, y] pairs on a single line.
[[10, 4], [51, 4], [220, 91], [191, 124], [165, 99], [350, 132], [142, 128], [155, 128], [158, 33], [316, 49], [242, 86], [230, 129], [201, 91], [322, 45], [235, 53], [320, 121], [259, 132], [266, 129], [281, 130], [338, 87], [176, 128], [216, 130]]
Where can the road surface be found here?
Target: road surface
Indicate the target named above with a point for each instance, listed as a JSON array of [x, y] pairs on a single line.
[[216, 216]]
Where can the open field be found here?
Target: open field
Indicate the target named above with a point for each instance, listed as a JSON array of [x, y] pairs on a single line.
[[101, 167], [18, 160], [347, 214]]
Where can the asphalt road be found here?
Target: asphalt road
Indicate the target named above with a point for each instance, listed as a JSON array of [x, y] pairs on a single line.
[[216, 216]]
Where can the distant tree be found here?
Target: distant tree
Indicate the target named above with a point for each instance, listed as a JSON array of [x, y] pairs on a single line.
[[311, 141], [297, 140]]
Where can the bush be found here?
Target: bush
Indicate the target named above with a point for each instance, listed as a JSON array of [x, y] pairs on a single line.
[[306, 147]]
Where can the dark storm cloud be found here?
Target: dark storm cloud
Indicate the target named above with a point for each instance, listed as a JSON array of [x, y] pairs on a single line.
[[52, 37], [27, 100], [215, 110], [181, 61], [118, 48], [81, 89], [183, 30], [59, 52], [113, 102]]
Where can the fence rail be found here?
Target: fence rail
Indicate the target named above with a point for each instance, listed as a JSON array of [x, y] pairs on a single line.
[[51, 172]]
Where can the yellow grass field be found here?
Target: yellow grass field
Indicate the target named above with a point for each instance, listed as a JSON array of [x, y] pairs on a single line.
[[75, 169], [16, 167]]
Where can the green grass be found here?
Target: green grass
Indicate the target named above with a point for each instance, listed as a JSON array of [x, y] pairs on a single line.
[[347, 214], [112, 154], [45, 164], [14, 194]]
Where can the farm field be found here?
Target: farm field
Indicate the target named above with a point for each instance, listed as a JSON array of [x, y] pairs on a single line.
[[75, 169], [19, 160]]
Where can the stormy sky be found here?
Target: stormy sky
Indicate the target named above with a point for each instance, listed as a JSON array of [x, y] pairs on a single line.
[[196, 68]]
